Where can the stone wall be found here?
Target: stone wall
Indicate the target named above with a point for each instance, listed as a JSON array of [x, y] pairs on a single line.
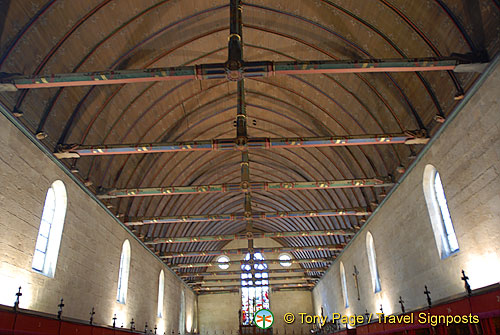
[[467, 156], [89, 255]]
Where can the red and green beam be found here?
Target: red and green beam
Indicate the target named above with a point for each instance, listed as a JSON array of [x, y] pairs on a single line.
[[221, 71], [247, 236], [235, 287], [233, 280], [244, 187], [241, 262], [251, 216], [244, 251], [230, 273], [234, 144], [225, 291]]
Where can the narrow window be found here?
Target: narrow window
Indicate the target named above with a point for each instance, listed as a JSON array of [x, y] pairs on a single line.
[[121, 295], [372, 262], [223, 262], [285, 260], [444, 233], [161, 290], [344, 285], [50, 231], [182, 315]]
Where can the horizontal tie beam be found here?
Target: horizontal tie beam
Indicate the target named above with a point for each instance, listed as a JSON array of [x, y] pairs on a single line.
[[220, 292], [231, 287], [230, 273], [232, 144], [244, 251], [251, 216], [244, 187], [266, 261], [247, 236], [232, 280], [225, 291], [208, 71], [12, 82], [362, 66]]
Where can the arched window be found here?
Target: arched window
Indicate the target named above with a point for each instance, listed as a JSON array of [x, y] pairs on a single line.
[[372, 262], [182, 315], [444, 233], [223, 262], [121, 295], [254, 290], [50, 231], [343, 283], [285, 258], [161, 290]]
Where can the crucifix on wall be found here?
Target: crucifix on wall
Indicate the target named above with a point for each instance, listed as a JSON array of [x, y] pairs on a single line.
[[355, 275]]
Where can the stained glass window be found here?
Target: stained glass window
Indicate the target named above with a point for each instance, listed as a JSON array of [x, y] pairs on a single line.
[[254, 289]]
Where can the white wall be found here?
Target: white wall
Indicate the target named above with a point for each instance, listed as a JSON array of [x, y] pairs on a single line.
[[467, 156], [89, 256]]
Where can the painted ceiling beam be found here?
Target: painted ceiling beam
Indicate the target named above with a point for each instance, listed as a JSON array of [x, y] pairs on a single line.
[[247, 236], [230, 273], [238, 144], [218, 292], [251, 216], [229, 71], [231, 287], [244, 251], [237, 290], [244, 187], [230, 280], [267, 261], [291, 289]]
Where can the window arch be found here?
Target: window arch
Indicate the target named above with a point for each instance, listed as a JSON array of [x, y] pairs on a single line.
[[123, 273], [285, 260], [50, 231], [444, 232], [372, 262], [161, 290], [343, 283], [254, 288], [223, 262]]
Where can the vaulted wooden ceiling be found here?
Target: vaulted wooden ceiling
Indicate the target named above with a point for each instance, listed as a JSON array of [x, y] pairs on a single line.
[[64, 36]]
